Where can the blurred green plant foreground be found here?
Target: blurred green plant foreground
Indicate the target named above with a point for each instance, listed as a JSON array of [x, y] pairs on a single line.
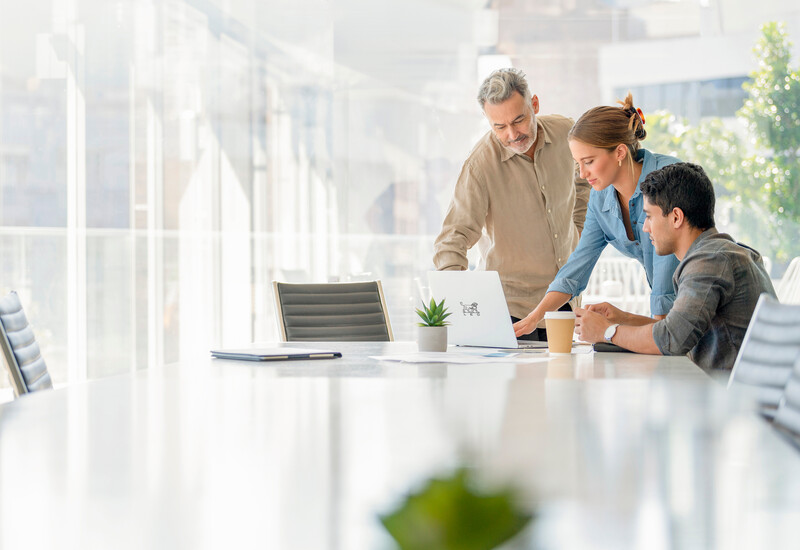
[[755, 165], [456, 513]]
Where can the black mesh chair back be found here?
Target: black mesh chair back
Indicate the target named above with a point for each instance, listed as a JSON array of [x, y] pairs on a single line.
[[345, 312], [27, 369], [768, 352], [787, 416]]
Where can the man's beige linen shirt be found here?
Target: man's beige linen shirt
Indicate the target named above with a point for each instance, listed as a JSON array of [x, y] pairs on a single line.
[[532, 212]]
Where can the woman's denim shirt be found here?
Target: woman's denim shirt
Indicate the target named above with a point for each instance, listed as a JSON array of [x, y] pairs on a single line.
[[604, 226]]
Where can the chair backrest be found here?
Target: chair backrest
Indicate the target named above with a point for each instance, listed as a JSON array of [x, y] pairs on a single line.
[[788, 415], [788, 289], [27, 369], [767, 265], [768, 351], [347, 312]]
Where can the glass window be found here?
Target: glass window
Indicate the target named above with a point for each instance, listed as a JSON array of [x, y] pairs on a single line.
[[162, 162]]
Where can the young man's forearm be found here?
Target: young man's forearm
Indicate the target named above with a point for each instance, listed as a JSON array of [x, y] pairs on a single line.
[[637, 338], [631, 319]]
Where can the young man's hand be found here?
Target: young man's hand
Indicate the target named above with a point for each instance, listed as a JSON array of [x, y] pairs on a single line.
[[591, 326], [611, 313]]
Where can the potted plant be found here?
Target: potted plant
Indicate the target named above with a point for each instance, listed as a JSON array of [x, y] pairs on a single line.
[[432, 333], [460, 511]]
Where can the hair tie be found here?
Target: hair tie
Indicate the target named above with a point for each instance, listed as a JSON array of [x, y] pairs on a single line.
[[641, 115]]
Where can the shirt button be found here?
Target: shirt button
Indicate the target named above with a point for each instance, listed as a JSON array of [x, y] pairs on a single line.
[[555, 236], [542, 187], [559, 259], [548, 210]]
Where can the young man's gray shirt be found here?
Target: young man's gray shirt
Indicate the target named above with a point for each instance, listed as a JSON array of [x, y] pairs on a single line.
[[717, 286]]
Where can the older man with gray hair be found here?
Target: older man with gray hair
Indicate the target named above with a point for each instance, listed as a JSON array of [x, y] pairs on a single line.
[[519, 188]]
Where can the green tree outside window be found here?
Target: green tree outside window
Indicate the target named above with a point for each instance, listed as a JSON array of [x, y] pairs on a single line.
[[756, 171]]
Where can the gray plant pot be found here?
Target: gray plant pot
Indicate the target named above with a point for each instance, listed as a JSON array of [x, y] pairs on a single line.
[[432, 338]]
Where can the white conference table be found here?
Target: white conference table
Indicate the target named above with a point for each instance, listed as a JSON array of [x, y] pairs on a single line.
[[617, 451]]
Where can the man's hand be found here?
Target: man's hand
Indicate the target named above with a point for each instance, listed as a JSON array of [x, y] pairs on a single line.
[[591, 326], [611, 313], [526, 325]]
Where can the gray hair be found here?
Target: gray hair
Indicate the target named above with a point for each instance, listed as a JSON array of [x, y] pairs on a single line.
[[501, 84]]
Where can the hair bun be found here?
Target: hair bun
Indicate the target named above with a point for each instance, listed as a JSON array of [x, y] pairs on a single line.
[[635, 118], [607, 127], [627, 104]]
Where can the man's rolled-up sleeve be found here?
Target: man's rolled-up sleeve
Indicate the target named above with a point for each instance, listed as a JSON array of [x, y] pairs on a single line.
[[582, 192], [463, 222], [703, 284]]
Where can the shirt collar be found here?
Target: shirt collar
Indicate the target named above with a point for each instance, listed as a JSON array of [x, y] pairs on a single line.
[[506, 153], [701, 237], [610, 201], [648, 165]]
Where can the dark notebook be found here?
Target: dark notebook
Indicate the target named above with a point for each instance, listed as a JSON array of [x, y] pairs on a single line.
[[274, 354], [607, 346]]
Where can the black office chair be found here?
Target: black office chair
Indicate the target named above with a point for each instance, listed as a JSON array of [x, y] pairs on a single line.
[[768, 352], [787, 417], [27, 370], [345, 312]]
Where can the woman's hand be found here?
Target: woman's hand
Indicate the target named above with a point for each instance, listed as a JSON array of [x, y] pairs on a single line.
[[526, 325]]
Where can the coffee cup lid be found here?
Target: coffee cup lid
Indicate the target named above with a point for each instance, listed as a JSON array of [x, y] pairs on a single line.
[[559, 315]]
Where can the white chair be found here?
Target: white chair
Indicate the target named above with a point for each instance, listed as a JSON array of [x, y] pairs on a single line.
[[27, 370], [621, 281], [769, 349], [767, 265], [787, 418], [788, 289]]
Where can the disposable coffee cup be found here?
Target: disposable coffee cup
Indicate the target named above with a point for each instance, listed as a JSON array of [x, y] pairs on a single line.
[[560, 326]]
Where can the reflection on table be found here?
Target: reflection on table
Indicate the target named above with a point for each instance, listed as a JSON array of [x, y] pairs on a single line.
[[615, 451]]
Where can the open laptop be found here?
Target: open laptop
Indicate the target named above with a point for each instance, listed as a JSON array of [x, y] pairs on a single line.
[[479, 312]]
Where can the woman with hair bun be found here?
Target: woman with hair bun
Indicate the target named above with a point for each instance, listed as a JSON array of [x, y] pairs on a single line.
[[605, 145]]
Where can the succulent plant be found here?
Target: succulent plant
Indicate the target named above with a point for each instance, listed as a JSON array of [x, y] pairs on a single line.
[[433, 315]]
